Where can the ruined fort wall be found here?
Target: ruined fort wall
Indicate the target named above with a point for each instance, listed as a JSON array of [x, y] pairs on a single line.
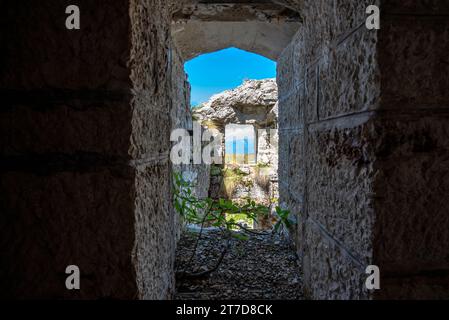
[[84, 148], [181, 116], [411, 242], [328, 84], [362, 147]]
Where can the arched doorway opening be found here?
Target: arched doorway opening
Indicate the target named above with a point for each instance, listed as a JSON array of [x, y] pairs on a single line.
[[247, 118]]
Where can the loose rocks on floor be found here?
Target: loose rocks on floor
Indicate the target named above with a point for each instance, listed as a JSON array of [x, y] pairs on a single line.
[[262, 267]]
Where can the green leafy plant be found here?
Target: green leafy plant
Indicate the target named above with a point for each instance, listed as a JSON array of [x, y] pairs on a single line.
[[223, 214], [283, 222], [215, 213], [209, 211]]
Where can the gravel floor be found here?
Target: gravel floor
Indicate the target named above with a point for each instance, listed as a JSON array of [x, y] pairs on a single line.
[[262, 267]]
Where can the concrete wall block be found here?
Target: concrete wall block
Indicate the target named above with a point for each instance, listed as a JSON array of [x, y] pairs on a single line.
[[318, 23], [410, 7], [290, 109], [181, 118], [72, 127], [51, 221], [413, 184], [349, 16], [150, 52], [284, 195], [95, 94], [327, 23], [151, 130], [295, 206], [285, 78], [349, 79], [40, 52], [340, 171], [297, 165], [311, 94], [284, 163], [433, 286], [155, 242], [375, 181], [340, 76], [420, 79], [329, 273], [299, 51]]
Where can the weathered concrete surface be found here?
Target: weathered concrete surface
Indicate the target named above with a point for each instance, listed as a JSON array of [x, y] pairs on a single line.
[[411, 237], [324, 161], [235, 11], [363, 157], [265, 38], [85, 173], [262, 27], [84, 140], [181, 118]]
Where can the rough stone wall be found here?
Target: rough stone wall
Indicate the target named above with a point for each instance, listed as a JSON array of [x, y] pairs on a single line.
[[363, 157], [84, 144], [180, 114], [84, 150], [181, 118], [411, 239], [327, 81]]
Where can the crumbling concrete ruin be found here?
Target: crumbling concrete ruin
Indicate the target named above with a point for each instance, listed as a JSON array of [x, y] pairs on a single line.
[[85, 128], [251, 107]]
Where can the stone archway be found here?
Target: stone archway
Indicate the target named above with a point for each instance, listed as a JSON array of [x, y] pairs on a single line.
[[85, 174], [335, 117], [262, 27]]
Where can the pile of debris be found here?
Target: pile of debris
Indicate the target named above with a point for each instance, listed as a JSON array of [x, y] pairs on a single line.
[[262, 267]]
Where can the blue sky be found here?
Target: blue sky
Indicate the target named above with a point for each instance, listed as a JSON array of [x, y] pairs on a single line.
[[223, 70], [238, 133], [240, 146]]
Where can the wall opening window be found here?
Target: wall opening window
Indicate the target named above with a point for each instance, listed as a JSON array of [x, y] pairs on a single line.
[[240, 144], [235, 92]]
